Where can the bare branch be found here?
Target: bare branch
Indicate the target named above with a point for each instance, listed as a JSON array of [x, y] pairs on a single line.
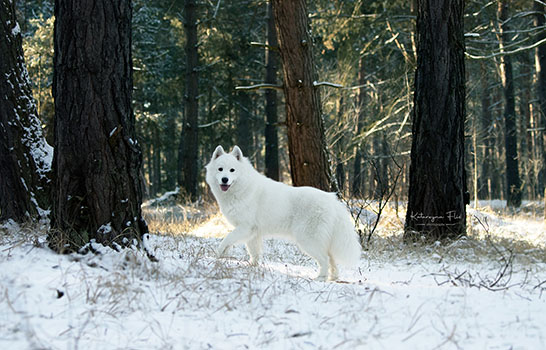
[[267, 46], [259, 86], [520, 49], [209, 124], [325, 83]]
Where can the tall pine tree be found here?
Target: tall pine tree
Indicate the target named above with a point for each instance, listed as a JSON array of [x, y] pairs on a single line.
[[513, 182], [98, 190], [25, 157], [437, 189], [306, 141]]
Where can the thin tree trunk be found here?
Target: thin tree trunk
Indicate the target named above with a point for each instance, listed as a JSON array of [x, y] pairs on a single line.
[[358, 183], [156, 184], [25, 157], [475, 159], [526, 145], [97, 160], [272, 63], [306, 140], [170, 152], [437, 189], [513, 182], [379, 176], [190, 128], [181, 158], [243, 130], [486, 129], [340, 169], [540, 63]]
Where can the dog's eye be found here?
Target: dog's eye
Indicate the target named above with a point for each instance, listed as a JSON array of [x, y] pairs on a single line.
[[232, 170], [220, 169]]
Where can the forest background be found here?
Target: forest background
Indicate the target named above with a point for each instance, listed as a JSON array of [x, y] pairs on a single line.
[[366, 47]]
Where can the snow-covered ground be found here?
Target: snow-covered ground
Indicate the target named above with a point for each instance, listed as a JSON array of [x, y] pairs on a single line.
[[485, 293]]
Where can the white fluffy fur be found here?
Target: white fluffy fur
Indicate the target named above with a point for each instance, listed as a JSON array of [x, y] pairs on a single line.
[[259, 207]]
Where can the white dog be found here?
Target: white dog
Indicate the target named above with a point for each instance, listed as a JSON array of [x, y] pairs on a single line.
[[259, 207]]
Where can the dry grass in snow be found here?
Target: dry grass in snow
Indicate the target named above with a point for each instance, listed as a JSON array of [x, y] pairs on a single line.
[[482, 292]]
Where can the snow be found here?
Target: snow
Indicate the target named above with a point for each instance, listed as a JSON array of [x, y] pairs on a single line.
[[16, 30], [167, 196], [399, 297], [105, 229], [326, 83]]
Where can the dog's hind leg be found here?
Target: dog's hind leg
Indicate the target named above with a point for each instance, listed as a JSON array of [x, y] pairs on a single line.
[[322, 261], [254, 248], [313, 239], [333, 275], [317, 252]]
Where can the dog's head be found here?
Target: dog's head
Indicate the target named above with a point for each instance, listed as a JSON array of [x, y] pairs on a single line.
[[224, 168]]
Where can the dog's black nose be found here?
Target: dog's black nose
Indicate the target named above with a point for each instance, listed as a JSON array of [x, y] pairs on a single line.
[[225, 180]]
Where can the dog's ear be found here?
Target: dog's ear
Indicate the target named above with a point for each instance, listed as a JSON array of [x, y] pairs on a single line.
[[237, 153], [218, 152]]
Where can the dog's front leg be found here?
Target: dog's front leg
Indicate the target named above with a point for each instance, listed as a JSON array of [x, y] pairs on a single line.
[[238, 235], [254, 249]]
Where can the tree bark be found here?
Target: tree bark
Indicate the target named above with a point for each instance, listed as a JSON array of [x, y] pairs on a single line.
[[170, 165], [244, 122], [306, 140], [540, 63], [156, 180], [97, 160], [358, 170], [272, 66], [25, 157], [437, 189], [190, 129], [340, 169], [526, 140], [513, 182], [487, 177]]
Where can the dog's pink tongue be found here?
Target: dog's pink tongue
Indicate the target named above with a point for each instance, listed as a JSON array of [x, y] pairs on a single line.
[[224, 187]]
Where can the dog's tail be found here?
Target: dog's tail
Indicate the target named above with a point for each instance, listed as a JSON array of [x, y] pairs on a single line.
[[345, 247]]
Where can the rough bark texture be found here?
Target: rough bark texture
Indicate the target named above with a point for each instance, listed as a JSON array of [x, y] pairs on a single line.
[[272, 66], [306, 141], [97, 160], [437, 191], [190, 135], [513, 182], [25, 157]]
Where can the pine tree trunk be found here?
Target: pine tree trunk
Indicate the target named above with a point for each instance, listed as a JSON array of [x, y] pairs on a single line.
[[243, 130], [540, 60], [156, 180], [25, 157], [272, 66], [190, 129], [170, 165], [97, 160], [486, 126], [526, 143], [306, 140], [513, 182], [358, 171], [437, 191], [340, 169]]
